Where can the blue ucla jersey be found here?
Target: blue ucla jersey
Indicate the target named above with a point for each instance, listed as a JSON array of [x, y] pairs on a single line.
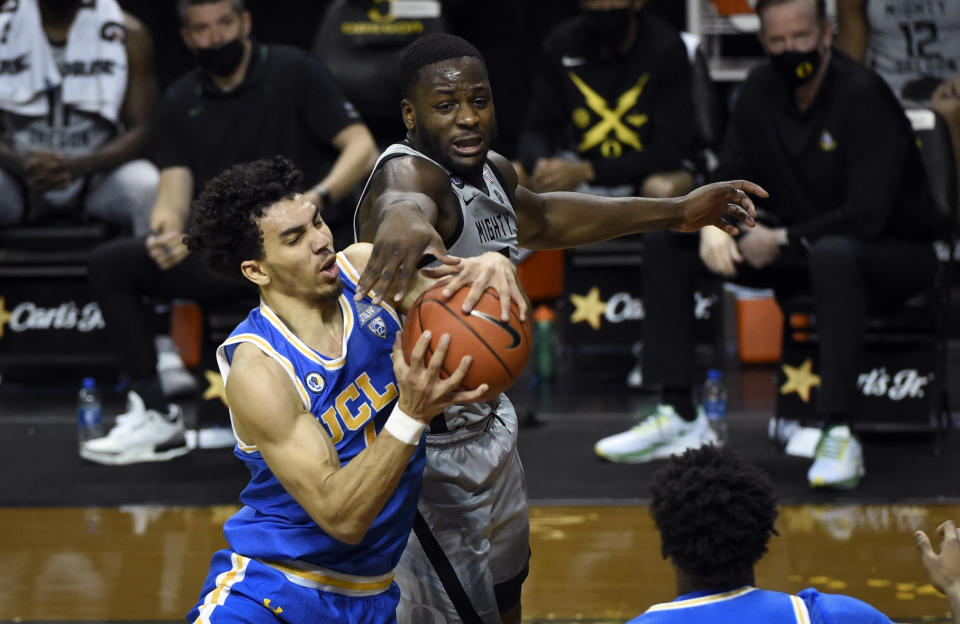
[[749, 604], [352, 396]]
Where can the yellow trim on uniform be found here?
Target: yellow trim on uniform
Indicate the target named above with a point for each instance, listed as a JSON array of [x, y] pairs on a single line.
[[800, 610], [225, 580], [702, 600], [299, 345], [333, 581]]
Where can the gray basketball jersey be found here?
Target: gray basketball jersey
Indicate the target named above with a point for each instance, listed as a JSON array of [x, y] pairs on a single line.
[[911, 39], [487, 222]]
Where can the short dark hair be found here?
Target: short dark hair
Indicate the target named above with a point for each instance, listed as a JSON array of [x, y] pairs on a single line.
[[821, 7], [224, 224], [430, 49], [238, 6], [715, 514]]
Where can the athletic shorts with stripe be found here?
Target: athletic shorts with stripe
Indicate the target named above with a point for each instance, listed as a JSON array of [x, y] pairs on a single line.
[[471, 537], [240, 589]]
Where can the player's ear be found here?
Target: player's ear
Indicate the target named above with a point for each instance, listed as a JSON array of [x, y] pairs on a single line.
[[408, 113], [252, 270]]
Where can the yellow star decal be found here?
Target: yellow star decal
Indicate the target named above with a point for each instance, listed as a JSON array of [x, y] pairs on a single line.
[[4, 316], [800, 379], [215, 388], [588, 308]]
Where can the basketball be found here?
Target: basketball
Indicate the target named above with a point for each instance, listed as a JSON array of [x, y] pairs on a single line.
[[500, 349]]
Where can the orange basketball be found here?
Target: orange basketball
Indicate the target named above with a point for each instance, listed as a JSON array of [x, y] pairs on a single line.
[[500, 349]]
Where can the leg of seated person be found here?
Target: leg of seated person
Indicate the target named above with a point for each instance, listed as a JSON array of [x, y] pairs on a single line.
[[12, 203], [122, 274], [125, 196], [848, 279]]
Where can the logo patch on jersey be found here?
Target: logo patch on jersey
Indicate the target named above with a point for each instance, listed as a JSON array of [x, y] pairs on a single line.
[[457, 181], [378, 327], [827, 143], [315, 382], [365, 312]]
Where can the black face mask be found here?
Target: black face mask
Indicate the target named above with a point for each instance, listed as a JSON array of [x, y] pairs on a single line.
[[608, 27], [796, 68], [61, 6], [221, 61]]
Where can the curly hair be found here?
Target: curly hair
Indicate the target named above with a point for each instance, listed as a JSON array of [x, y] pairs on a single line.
[[430, 49], [224, 224], [715, 513]]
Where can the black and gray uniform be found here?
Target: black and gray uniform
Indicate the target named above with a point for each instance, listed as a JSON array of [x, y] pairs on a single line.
[[468, 553]]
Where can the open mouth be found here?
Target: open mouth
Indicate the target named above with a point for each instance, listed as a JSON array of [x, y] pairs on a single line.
[[468, 145], [329, 265]]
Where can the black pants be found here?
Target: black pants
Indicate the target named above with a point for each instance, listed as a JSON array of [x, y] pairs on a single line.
[[122, 276], [848, 278]]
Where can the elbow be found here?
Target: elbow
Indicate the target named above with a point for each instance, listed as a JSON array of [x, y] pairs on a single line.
[[349, 532]]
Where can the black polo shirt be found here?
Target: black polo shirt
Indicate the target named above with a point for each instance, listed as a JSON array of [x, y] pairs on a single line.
[[287, 104], [847, 165]]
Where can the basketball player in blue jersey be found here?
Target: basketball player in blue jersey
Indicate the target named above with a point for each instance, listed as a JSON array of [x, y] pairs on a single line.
[[444, 190], [715, 514], [329, 427]]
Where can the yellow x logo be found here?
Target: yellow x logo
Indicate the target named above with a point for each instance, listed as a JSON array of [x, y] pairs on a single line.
[[611, 119]]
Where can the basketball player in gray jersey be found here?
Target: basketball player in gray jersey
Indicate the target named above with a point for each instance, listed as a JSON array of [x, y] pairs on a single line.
[[444, 190]]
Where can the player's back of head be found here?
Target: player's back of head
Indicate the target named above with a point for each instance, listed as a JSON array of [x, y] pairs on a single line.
[[715, 514]]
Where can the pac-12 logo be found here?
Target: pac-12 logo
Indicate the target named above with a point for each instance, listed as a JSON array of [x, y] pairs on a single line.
[[315, 382], [378, 327]]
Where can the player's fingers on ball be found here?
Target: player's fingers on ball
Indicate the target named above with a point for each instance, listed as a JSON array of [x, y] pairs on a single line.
[[472, 396], [420, 348], [439, 354], [452, 285], [460, 372], [476, 291]]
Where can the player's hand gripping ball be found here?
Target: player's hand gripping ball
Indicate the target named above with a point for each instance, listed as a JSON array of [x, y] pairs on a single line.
[[500, 349]]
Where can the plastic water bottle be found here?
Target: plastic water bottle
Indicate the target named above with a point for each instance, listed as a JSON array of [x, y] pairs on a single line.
[[715, 404], [89, 412], [545, 349]]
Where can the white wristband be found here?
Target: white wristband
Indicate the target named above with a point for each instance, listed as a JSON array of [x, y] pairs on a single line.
[[404, 428]]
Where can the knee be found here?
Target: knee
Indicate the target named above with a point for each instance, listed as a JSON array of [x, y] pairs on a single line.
[[667, 184], [831, 255]]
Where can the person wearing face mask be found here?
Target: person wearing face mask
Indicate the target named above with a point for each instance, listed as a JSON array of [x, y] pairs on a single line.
[[850, 219], [77, 103], [612, 108], [245, 101]]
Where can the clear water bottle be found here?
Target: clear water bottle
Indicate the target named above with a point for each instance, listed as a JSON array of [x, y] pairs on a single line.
[[89, 412], [715, 404]]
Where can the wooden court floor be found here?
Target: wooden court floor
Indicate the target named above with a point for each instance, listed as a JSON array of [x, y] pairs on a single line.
[[590, 563]]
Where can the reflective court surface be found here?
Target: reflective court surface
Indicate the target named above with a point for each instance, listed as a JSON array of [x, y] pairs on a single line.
[[590, 563]]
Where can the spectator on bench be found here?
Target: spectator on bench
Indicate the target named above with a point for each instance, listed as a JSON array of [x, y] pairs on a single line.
[[246, 101], [850, 219], [77, 101]]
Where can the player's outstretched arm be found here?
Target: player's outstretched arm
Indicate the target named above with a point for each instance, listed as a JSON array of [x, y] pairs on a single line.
[[562, 220], [401, 217], [944, 567], [343, 501]]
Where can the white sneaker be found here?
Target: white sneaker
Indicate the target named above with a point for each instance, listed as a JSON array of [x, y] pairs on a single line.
[[839, 460], [140, 435], [660, 434]]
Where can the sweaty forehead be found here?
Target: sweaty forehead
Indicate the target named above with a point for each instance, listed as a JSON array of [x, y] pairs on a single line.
[[455, 72]]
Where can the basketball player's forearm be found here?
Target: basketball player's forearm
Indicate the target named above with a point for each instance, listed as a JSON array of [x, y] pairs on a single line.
[[352, 166], [575, 219], [354, 495]]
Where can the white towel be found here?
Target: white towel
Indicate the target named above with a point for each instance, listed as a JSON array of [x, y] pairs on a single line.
[[95, 68]]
